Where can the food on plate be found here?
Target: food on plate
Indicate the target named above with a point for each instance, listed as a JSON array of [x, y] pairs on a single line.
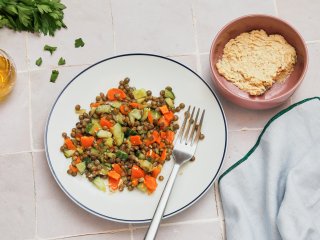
[[254, 61], [124, 139]]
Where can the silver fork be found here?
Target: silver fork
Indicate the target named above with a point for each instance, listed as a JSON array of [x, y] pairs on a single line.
[[184, 149]]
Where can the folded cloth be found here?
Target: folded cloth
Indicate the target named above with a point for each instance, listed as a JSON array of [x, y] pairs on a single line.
[[273, 192]]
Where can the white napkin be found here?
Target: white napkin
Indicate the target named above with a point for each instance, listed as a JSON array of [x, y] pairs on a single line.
[[273, 192]]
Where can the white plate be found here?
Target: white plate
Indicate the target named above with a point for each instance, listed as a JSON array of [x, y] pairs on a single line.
[[149, 72]]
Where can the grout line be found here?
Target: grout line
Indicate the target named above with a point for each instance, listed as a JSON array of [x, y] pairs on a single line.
[[21, 152], [113, 32], [51, 67], [195, 31], [276, 7], [35, 195], [215, 198], [89, 234], [204, 53], [312, 41]]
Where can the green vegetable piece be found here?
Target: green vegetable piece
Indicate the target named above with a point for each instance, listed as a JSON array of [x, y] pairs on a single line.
[[142, 187], [146, 165], [78, 43], [99, 183], [104, 134], [145, 114], [118, 134], [169, 101], [122, 155], [155, 115], [136, 113], [108, 142], [119, 118], [169, 94], [39, 62], [93, 127], [62, 61], [111, 155], [139, 93], [81, 167], [87, 160], [54, 76], [130, 132], [104, 109], [141, 100], [116, 104], [95, 152], [68, 153], [49, 48]]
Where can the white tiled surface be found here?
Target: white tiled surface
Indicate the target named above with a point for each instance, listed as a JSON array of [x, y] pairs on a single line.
[[29, 196]]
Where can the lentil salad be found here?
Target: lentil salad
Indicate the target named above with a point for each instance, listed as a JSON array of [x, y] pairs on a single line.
[[124, 139]]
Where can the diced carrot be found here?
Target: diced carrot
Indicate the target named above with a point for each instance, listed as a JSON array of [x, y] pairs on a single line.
[[78, 135], [150, 118], [124, 109], [164, 109], [163, 155], [134, 182], [86, 141], [113, 183], [156, 136], [170, 136], [162, 145], [116, 167], [163, 135], [96, 104], [135, 105], [169, 116], [162, 122], [104, 122], [150, 183], [137, 172], [113, 93], [135, 140], [73, 169], [78, 160], [69, 144], [113, 174], [152, 154], [155, 171]]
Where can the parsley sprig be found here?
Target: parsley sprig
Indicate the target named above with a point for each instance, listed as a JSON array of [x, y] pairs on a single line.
[[38, 16]]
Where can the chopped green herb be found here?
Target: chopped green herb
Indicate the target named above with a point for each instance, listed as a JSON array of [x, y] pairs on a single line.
[[78, 43], [39, 61], [37, 16], [54, 76], [62, 61], [49, 48]]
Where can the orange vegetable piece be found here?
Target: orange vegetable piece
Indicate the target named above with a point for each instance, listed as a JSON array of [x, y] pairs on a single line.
[[97, 104], [163, 155], [156, 136], [164, 109], [169, 116], [111, 94], [134, 182], [104, 122], [150, 118], [86, 141], [170, 136], [163, 135], [69, 144], [113, 174], [124, 109], [156, 171], [116, 167], [78, 160], [78, 135], [150, 183], [135, 105], [73, 169], [113, 183], [162, 145], [162, 121], [135, 140], [137, 172]]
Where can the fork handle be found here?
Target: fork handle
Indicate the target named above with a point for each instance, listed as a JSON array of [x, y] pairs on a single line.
[[154, 225]]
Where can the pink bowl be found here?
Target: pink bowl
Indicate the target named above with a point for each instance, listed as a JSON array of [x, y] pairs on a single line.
[[279, 92]]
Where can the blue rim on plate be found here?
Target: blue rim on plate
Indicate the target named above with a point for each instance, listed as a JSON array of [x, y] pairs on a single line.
[[142, 220]]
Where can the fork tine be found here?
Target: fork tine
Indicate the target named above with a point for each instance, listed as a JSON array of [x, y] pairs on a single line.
[[187, 115], [193, 127], [196, 139], [189, 125]]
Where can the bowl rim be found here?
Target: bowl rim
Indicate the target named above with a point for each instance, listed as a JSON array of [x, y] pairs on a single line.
[[257, 100]]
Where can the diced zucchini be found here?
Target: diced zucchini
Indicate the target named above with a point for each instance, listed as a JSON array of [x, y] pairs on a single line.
[[104, 109], [122, 155], [142, 156], [95, 152], [169, 94], [80, 150], [142, 187], [104, 134], [134, 114], [141, 100], [145, 114], [119, 118], [99, 183], [68, 153], [155, 115], [169, 101], [146, 165], [139, 93], [108, 142], [111, 155], [93, 127], [116, 104], [81, 167], [118, 134]]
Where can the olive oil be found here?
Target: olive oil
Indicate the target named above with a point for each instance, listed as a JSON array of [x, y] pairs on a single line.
[[7, 75]]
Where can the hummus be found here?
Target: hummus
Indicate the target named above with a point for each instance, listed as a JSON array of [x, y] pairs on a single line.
[[254, 61]]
